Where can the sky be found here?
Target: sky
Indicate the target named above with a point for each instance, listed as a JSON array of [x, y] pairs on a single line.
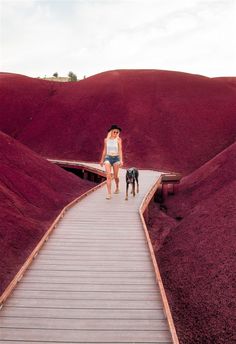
[[41, 37]]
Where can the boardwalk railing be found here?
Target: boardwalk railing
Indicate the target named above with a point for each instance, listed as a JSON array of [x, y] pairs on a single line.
[[144, 206]]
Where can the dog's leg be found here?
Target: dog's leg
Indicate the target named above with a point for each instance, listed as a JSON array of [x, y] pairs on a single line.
[[133, 187], [127, 187], [137, 184]]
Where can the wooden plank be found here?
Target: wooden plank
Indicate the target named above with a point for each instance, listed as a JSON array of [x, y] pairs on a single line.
[[77, 236], [88, 287], [91, 274], [95, 266], [98, 233], [130, 233], [129, 218], [90, 280], [84, 324], [80, 303], [48, 259], [98, 250], [121, 211], [80, 238], [98, 240], [88, 336], [67, 313], [86, 295], [98, 254], [106, 224], [105, 245]]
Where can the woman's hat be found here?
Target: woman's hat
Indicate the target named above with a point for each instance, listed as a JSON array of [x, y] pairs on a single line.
[[113, 127]]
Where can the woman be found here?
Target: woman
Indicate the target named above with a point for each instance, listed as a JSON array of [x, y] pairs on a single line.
[[112, 157]]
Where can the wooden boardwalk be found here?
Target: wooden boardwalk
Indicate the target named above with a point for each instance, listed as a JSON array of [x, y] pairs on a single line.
[[93, 281]]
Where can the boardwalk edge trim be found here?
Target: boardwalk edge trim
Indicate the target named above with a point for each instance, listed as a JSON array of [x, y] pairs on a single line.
[[142, 208]]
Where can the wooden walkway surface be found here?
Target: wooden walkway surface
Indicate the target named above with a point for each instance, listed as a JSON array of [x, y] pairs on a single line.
[[93, 281]]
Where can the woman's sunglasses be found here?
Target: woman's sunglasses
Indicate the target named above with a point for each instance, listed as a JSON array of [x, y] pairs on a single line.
[[116, 132]]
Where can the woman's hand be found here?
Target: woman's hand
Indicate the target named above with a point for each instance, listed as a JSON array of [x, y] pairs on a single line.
[[121, 163], [101, 163]]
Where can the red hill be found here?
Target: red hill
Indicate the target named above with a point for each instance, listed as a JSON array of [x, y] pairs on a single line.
[[197, 254], [230, 81], [32, 193], [170, 120]]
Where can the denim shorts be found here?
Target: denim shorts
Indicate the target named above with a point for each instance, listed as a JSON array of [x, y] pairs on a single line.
[[112, 159]]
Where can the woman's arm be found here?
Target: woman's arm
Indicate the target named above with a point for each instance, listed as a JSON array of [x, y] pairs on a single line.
[[103, 153], [120, 152]]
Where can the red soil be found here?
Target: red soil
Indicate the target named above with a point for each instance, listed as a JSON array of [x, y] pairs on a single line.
[[197, 254], [230, 81], [32, 194], [185, 119]]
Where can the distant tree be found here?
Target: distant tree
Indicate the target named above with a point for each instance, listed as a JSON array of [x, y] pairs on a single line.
[[56, 75], [72, 76]]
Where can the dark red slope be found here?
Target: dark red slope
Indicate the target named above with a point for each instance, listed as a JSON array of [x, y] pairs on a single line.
[[202, 183], [22, 98], [32, 193], [170, 120], [197, 255], [229, 81]]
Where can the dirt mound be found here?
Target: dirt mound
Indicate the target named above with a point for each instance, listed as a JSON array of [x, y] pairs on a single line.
[[197, 254], [170, 120], [32, 193]]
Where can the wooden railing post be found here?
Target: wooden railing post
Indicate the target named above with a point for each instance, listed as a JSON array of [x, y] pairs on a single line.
[[164, 192]]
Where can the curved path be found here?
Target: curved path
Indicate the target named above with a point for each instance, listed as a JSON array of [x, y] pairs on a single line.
[[93, 281]]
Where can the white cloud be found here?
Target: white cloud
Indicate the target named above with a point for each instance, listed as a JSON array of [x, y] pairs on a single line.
[[88, 37]]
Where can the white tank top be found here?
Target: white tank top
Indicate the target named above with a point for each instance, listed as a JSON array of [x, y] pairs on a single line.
[[112, 147]]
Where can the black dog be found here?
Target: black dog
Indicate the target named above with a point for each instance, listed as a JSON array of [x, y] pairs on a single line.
[[131, 176]]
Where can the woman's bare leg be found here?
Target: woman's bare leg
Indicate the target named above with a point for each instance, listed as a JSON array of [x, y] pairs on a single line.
[[108, 173], [116, 172]]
